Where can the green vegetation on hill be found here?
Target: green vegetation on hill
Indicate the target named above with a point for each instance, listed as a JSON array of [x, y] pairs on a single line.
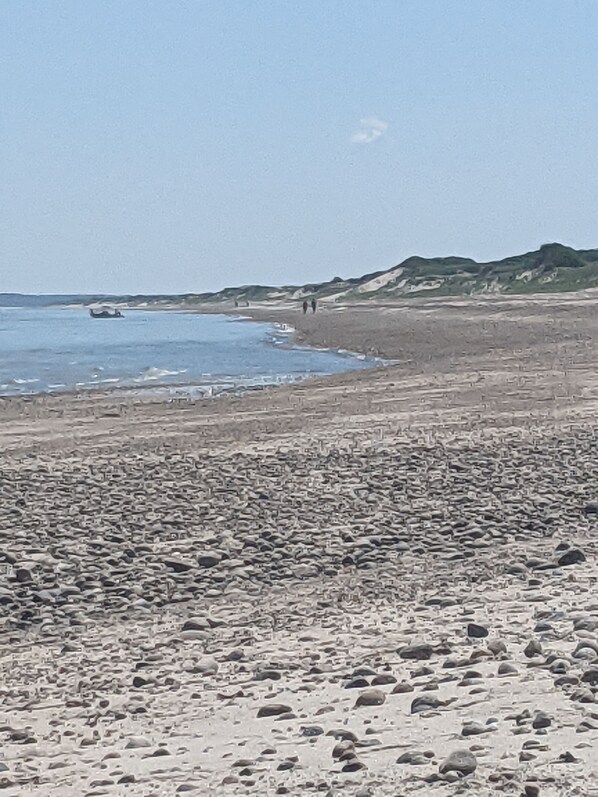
[[553, 268]]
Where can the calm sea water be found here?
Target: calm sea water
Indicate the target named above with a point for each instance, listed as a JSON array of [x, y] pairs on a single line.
[[60, 349]]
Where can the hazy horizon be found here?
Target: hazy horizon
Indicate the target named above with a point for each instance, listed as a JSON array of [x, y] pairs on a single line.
[[154, 149]]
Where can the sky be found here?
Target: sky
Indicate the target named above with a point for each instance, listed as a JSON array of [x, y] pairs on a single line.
[[168, 146]]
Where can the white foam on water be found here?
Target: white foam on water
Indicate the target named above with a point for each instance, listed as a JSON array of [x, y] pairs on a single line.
[[153, 373]]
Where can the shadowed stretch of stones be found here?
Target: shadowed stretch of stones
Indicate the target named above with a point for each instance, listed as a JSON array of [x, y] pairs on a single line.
[[97, 537]]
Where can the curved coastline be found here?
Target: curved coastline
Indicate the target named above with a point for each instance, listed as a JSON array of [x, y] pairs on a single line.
[[157, 382]]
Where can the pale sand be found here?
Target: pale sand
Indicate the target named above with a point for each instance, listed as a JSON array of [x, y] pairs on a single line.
[[312, 533]]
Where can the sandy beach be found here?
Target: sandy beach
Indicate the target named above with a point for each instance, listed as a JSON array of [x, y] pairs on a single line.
[[376, 583]]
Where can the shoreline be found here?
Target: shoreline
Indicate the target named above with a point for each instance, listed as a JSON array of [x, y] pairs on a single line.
[[327, 587], [195, 390], [314, 331]]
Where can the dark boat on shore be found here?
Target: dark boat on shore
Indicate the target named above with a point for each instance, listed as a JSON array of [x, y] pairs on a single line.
[[105, 312]]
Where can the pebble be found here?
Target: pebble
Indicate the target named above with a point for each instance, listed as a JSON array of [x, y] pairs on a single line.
[[371, 697], [571, 557], [533, 648], [476, 631], [136, 742], [417, 652], [209, 559], [402, 688], [425, 703], [462, 761], [206, 666], [413, 758], [273, 710], [541, 720]]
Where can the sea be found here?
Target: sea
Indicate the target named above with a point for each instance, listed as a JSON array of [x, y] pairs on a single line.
[[47, 348]]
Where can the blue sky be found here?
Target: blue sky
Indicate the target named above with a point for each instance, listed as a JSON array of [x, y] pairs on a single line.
[[183, 146]]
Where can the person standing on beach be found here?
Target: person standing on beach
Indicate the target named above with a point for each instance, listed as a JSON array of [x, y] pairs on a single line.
[[313, 305], [304, 307]]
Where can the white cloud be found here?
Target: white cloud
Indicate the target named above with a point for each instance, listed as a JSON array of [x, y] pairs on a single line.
[[371, 130]]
